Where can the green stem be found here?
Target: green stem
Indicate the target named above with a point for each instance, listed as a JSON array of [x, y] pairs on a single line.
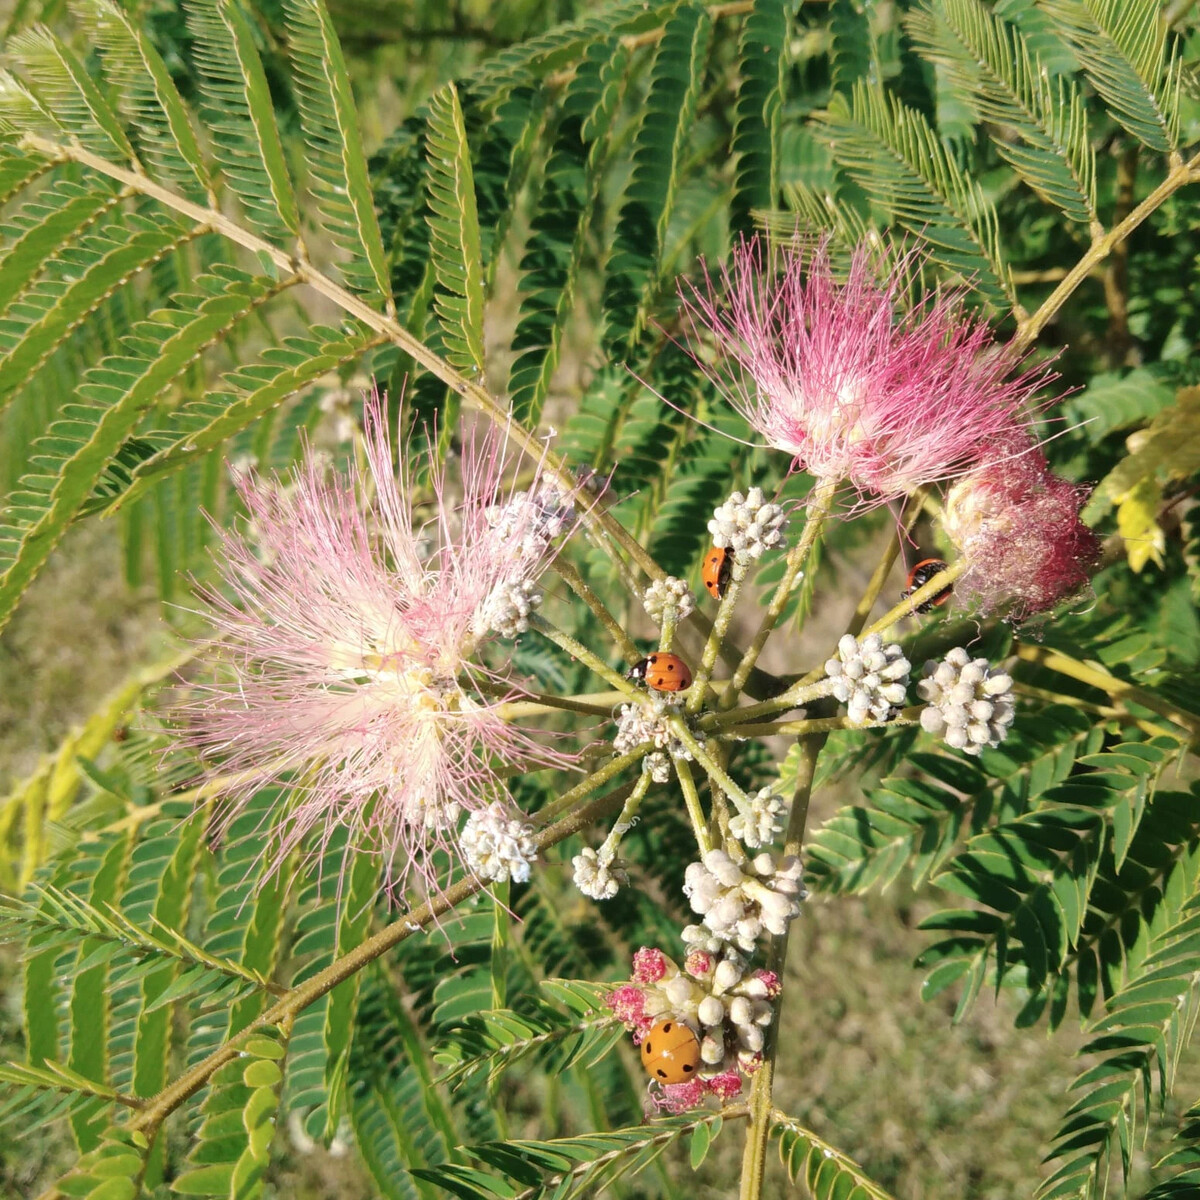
[[679, 728], [572, 578], [591, 783], [908, 518], [691, 797], [800, 693], [716, 639], [624, 823], [474, 393], [906, 716], [818, 510], [578, 651], [538, 704], [1181, 174]]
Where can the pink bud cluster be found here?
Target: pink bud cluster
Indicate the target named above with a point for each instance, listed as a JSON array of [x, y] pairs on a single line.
[[726, 1006]]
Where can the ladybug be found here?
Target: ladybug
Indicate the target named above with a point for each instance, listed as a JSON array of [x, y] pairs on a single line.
[[663, 672], [919, 576], [671, 1052], [718, 566]]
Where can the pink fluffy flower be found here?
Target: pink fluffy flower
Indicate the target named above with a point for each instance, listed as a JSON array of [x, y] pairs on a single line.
[[842, 378], [1017, 526], [346, 627]]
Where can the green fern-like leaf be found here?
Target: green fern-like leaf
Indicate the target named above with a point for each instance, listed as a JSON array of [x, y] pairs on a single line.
[[148, 98], [560, 47], [493, 1041], [1122, 45], [566, 1167], [46, 315], [75, 450], [454, 232], [914, 823], [1138, 1038], [333, 144], [559, 227], [70, 93], [335, 920], [893, 154], [757, 130], [244, 922], [827, 1172], [232, 1149], [60, 212], [204, 424], [632, 272], [241, 116], [399, 1117], [988, 60], [1036, 873]]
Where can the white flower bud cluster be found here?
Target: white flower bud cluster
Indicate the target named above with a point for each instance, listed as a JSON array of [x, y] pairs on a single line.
[[748, 525], [668, 593], [741, 903], [868, 677], [729, 1006], [533, 521], [506, 609], [596, 878], [638, 724], [496, 845], [968, 703], [763, 820]]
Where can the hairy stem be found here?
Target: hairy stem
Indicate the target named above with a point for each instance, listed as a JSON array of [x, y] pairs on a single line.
[[715, 771], [818, 510], [596, 780], [908, 518], [906, 716], [800, 693], [716, 638], [624, 823], [578, 651]]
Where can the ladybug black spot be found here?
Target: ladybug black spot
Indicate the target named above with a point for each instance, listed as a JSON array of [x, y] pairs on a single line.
[[688, 1068], [670, 666], [661, 1073], [667, 1027], [649, 1050]]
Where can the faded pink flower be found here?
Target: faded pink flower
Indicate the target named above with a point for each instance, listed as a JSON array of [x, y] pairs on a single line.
[[347, 626], [679, 1097], [842, 378], [1017, 526]]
